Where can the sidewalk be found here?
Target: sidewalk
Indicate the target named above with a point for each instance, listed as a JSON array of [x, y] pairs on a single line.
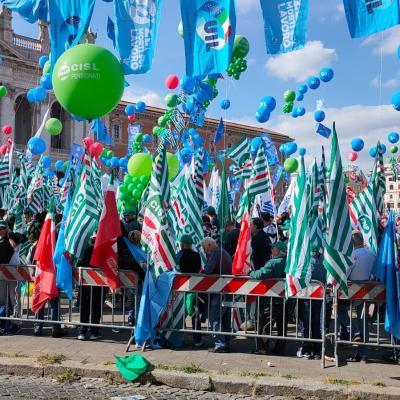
[[24, 349]]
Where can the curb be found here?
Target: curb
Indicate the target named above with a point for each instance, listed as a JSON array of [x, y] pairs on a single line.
[[224, 384]]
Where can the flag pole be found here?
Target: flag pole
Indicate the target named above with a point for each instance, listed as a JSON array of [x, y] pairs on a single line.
[[273, 199]]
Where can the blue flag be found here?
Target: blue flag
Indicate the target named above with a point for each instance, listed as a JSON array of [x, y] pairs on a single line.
[[220, 131], [136, 30], [209, 32], [386, 270], [62, 263], [277, 175], [366, 17], [137, 253], [154, 299], [69, 22], [30, 10], [102, 133], [285, 24], [323, 130], [111, 30]]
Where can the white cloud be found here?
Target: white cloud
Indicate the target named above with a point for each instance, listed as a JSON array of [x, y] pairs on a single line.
[[386, 41], [339, 14], [302, 63], [134, 93], [389, 84], [245, 6], [371, 123]]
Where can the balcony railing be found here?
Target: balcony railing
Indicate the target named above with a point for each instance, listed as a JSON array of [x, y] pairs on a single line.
[[27, 43]]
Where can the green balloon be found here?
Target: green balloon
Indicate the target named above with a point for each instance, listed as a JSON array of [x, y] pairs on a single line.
[[162, 121], [124, 196], [289, 96], [139, 164], [241, 47], [65, 166], [140, 187], [88, 81], [127, 179], [47, 67], [137, 194], [173, 165], [144, 179], [171, 99], [394, 149], [156, 130], [291, 165], [123, 189], [180, 29], [139, 138], [3, 91], [131, 187], [53, 126], [135, 180], [104, 153], [110, 154]]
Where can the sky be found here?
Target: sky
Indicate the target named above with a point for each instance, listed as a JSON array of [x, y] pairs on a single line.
[[366, 70]]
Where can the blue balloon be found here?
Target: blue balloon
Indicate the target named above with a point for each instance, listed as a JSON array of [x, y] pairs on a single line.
[[372, 152], [303, 88], [254, 145], [104, 160], [130, 110], [302, 151], [190, 103], [383, 148], [393, 137], [198, 140], [50, 173], [357, 144], [313, 82], [46, 162], [61, 182], [294, 112], [396, 101], [43, 60], [269, 102], [263, 114], [291, 148], [300, 111], [204, 92], [146, 139], [299, 96], [225, 104], [123, 162], [141, 106], [59, 164], [188, 84], [326, 74], [36, 145], [45, 81], [319, 115], [40, 94], [185, 155], [282, 148]]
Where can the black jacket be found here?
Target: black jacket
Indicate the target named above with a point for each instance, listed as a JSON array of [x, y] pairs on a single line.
[[261, 249], [6, 250], [189, 261]]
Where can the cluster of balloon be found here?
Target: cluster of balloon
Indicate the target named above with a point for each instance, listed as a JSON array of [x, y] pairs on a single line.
[[53, 126], [238, 63], [357, 144], [96, 89], [288, 148], [373, 150], [267, 105], [36, 145], [131, 110], [289, 96], [291, 164], [131, 191], [393, 138]]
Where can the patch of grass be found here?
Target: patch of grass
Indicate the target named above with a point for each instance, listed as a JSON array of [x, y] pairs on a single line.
[[67, 376], [340, 381], [288, 376], [379, 384], [48, 359], [252, 374], [17, 354], [352, 397], [192, 369], [166, 367], [108, 362], [85, 361]]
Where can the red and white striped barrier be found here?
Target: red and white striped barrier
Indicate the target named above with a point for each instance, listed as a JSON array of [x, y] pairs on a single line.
[[95, 277], [240, 286], [372, 291], [17, 273]]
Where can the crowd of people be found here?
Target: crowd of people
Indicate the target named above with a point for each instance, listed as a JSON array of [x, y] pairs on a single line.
[[269, 251]]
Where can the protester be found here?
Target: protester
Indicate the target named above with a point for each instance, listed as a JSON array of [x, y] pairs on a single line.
[[260, 244], [212, 215], [232, 237], [269, 226], [219, 262], [271, 316], [189, 262], [130, 221]]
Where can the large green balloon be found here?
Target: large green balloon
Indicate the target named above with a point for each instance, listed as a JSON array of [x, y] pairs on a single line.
[[173, 165], [139, 164], [171, 99], [291, 165], [88, 81], [53, 126], [241, 47]]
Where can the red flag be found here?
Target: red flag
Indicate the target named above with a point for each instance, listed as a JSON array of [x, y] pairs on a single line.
[[105, 248], [45, 274], [241, 262]]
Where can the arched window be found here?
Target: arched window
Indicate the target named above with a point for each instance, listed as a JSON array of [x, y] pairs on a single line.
[[23, 120], [116, 130]]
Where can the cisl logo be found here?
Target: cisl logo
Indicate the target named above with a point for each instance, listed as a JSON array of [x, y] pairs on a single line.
[[143, 12], [365, 223], [213, 25], [65, 70]]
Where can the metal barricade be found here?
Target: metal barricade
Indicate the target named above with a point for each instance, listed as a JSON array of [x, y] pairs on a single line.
[[91, 299], [241, 306], [358, 319]]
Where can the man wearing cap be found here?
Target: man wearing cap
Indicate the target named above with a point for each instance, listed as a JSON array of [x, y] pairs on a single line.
[[131, 223], [188, 260], [273, 269], [260, 244]]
